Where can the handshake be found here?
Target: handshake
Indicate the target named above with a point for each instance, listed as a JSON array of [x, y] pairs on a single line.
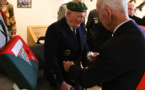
[[92, 55]]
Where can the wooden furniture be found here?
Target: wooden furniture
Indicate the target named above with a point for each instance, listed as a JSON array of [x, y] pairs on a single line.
[[94, 88], [34, 32]]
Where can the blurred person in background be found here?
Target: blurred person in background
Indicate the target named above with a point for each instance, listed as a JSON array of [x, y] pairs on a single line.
[[131, 12], [5, 82], [10, 18], [96, 32]]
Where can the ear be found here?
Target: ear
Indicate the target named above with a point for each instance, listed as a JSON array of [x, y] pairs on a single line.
[[135, 10], [68, 13], [108, 11]]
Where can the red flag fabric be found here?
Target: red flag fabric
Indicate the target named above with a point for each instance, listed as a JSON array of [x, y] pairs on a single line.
[[3, 14]]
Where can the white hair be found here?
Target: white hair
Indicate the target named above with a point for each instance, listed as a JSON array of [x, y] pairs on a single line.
[[118, 6]]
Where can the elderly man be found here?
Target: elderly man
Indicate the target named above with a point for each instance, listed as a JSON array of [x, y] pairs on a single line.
[[65, 41], [62, 10], [120, 64], [131, 12]]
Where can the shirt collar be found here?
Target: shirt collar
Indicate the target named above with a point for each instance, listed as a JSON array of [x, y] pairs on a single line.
[[71, 27]]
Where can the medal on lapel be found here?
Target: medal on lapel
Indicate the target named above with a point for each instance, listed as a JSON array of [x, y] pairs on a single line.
[[66, 54]]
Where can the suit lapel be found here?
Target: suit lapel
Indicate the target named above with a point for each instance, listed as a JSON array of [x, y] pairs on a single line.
[[81, 38], [69, 37]]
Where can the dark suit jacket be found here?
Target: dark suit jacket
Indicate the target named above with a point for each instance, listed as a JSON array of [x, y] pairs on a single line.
[[60, 45], [121, 62], [143, 21], [96, 33], [136, 19]]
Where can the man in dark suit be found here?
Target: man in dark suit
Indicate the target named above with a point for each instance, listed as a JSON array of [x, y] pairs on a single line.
[[131, 12], [120, 64], [96, 33], [65, 41]]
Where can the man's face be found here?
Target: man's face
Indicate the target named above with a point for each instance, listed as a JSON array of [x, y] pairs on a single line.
[[2, 2], [76, 18], [131, 9]]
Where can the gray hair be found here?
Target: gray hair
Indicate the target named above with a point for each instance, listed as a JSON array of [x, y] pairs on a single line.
[[118, 6]]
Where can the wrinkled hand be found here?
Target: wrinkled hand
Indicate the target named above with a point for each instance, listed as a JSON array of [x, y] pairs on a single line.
[[67, 65], [93, 57], [65, 86]]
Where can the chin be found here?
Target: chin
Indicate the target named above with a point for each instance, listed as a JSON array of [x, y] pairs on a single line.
[[77, 26]]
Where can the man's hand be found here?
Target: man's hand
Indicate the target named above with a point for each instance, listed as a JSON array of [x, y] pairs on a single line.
[[65, 86], [93, 56], [85, 67], [67, 65]]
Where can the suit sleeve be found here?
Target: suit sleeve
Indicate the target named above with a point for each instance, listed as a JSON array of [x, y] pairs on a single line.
[[103, 69], [94, 75], [51, 52], [118, 61]]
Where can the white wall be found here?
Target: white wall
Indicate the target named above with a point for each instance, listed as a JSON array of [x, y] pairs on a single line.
[[41, 14], [140, 13], [38, 14]]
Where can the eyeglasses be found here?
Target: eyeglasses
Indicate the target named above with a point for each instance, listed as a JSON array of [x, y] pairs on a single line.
[[130, 9]]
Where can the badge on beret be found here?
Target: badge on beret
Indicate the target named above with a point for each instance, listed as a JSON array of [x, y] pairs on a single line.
[[76, 6], [73, 6], [67, 52]]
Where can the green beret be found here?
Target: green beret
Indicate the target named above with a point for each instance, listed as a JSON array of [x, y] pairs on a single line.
[[76, 6]]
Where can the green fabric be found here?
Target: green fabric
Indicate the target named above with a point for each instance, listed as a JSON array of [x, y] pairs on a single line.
[[38, 51], [77, 6], [20, 71]]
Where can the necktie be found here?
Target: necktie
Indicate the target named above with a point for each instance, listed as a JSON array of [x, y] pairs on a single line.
[[74, 32]]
